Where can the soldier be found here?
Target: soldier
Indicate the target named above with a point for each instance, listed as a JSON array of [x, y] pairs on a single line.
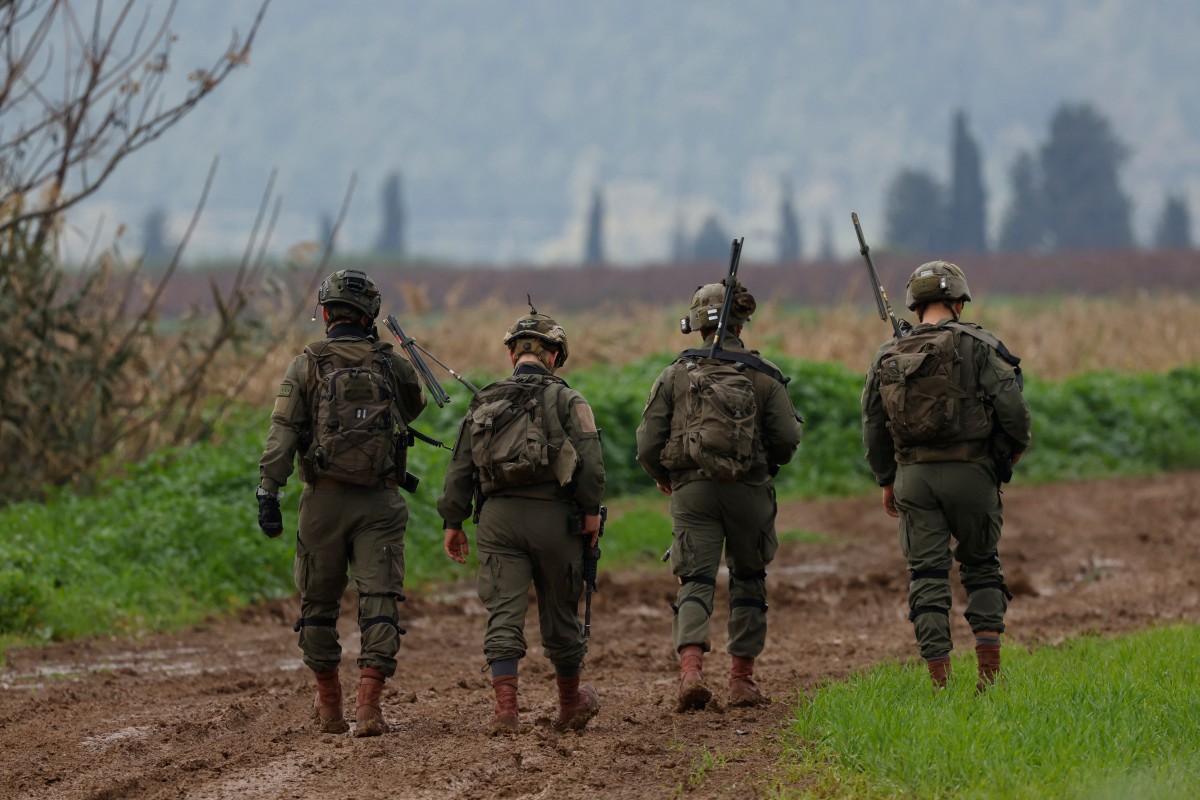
[[713, 434], [944, 421], [342, 407], [528, 457]]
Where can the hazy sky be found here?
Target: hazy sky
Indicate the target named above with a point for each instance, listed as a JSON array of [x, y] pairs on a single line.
[[502, 117]]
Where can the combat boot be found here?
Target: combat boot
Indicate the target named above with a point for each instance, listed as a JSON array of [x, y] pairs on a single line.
[[505, 719], [693, 692], [939, 671], [743, 691], [328, 706], [369, 714], [987, 652], [576, 703]]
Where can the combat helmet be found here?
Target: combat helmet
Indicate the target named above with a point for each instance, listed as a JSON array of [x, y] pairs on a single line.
[[706, 307], [532, 332], [936, 282], [353, 288]]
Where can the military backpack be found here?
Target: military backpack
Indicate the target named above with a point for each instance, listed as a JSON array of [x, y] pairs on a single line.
[[719, 430], [929, 388], [354, 437], [517, 438]]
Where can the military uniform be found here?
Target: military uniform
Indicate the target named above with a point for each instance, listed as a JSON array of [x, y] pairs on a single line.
[[710, 516], [529, 522], [342, 524], [524, 535], [947, 491]]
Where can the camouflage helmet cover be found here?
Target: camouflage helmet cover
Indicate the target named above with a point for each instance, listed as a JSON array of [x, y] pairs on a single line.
[[707, 302], [936, 282], [535, 328], [353, 288]]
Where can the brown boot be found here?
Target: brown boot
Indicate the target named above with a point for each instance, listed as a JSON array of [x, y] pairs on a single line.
[[987, 651], [505, 719], [328, 705], [369, 714], [576, 703], [693, 693], [939, 671], [743, 691]]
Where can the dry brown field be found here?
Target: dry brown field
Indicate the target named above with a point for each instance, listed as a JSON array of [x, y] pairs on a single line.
[[1142, 333]]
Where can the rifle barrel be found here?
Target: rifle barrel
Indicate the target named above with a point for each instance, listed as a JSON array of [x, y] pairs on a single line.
[[735, 256]]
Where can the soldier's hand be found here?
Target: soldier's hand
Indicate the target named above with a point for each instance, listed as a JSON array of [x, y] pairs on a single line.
[[270, 517], [889, 500], [664, 488], [591, 528], [456, 545]]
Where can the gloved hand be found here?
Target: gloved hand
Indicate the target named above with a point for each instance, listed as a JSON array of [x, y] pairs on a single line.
[[270, 517]]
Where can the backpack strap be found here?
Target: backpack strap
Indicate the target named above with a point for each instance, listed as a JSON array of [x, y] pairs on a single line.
[[749, 359], [988, 338]]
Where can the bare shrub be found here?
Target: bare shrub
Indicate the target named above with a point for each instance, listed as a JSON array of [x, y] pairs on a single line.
[[88, 371]]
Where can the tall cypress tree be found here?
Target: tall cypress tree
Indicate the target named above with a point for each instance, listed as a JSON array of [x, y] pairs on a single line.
[[966, 228], [1085, 207], [391, 233], [1174, 228], [914, 212], [790, 243], [593, 248], [1024, 227]]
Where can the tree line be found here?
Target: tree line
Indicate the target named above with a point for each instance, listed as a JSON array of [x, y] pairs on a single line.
[[1064, 195]]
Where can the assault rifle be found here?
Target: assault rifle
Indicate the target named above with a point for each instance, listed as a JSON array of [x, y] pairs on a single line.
[[591, 561], [414, 351], [735, 255], [900, 327]]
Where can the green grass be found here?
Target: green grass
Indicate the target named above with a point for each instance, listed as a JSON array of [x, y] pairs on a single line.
[[1094, 718], [174, 539]]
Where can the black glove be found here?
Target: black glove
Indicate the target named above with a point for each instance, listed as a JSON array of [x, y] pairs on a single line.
[[270, 518]]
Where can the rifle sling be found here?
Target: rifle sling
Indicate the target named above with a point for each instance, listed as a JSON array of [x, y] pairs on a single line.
[[742, 358]]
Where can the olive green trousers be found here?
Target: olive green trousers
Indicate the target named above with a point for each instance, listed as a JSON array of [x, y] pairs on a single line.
[[361, 529], [522, 542], [951, 511], [738, 519]]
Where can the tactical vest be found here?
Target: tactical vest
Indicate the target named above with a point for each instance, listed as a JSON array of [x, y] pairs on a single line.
[[517, 435], [353, 412], [930, 391]]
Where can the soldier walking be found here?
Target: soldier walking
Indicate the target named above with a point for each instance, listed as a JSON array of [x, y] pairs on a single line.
[[528, 459], [342, 407], [944, 421], [713, 434]]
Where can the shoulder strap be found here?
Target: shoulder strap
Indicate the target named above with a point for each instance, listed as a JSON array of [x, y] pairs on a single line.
[[749, 359], [976, 332]]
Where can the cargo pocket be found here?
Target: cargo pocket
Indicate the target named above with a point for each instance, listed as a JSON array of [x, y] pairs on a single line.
[[573, 587], [302, 571], [903, 534], [487, 584], [683, 553], [393, 559]]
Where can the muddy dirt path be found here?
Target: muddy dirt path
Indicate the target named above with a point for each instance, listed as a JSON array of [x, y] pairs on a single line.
[[223, 711]]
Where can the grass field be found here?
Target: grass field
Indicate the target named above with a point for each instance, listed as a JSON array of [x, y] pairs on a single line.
[[1093, 718], [169, 541]]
